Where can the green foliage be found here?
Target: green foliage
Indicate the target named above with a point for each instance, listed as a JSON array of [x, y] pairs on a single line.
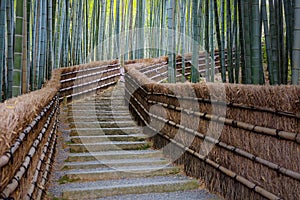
[[63, 33]]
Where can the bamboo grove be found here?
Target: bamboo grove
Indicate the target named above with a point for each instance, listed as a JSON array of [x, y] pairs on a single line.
[[260, 39]]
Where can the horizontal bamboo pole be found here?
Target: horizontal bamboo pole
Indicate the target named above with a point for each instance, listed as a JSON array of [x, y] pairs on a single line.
[[201, 58], [88, 69], [233, 175], [89, 75], [282, 170], [89, 83], [234, 123], [4, 160], [234, 105], [90, 90]]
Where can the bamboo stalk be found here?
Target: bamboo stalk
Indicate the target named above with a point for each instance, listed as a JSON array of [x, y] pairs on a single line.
[[296, 45], [171, 42], [2, 44], [18, 50], [10, 41]]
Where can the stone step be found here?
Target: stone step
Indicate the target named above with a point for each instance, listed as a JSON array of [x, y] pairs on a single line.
[[105, 98], [108, 146], [97, 103], [98, 112], [105, 131], [115, 163], [98, 108], [177, 195], [106, 115], [111, 155], [101, 138], [87, 118], [119, 172], [102, 124], [94, 190]]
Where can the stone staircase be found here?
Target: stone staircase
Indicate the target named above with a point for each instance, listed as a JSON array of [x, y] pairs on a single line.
[[104, 155]]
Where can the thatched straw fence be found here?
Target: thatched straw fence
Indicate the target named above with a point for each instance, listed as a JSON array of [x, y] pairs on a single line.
[[256, 155], [29, 125]]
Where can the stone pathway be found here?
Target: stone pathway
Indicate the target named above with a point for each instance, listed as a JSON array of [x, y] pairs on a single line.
[[104, 155]]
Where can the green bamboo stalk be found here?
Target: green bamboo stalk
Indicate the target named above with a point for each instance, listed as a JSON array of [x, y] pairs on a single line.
[[2, 45], [223, 66], [86, 30], [237, 46], [110, 30], [130, 36], [296, 45], [117, 30], [229, 42], [33, 49], [124, 8], [267, 40], [274, 44], [171, 42], [37, 60], [288, 25], [182, 30], [207, 67], [291, 38], [195, 45], [163, 26], [189, 25], [66, 35], [79, 34], [255, 41], [217, 26], [24, 84], [282, 67], [247, 41], [102, 28], [10, 41], [75, 31], [18, 50], [158, 15], [241, 37], [262, 80], [92, 27], [212, 46], [59, 32], [41, 66], [28, 28], [49, 40]]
